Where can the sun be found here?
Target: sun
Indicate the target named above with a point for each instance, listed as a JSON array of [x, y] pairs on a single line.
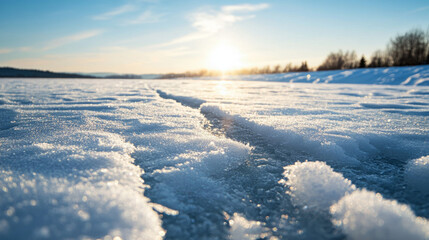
[[224, 58]]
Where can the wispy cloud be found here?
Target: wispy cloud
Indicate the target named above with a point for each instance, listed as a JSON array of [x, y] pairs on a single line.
[[71, 39], [187, 38], [146, 17], [421, 9], [20, 49], [208, 23], [213, 22], [115, 12], [147, 1], [245, 7], [5, 50]]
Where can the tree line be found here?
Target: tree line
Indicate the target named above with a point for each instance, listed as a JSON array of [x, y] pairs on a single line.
[[408, 49]]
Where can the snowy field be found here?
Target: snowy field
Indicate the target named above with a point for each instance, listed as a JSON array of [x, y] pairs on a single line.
[[200, 159]]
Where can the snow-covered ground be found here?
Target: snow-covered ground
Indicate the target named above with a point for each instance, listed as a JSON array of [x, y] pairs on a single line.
[[407, 76], [199, 159]]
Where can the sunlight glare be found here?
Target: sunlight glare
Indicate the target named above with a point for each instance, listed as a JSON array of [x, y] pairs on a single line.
[[224, 58]]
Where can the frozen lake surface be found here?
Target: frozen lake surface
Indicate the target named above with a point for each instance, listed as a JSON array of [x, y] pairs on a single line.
[[200, 159]]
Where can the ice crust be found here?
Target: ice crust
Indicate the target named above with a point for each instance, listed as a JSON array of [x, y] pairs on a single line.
[[64, 176], [279, 138], [72, 155], [314, 185], [74, 185], [336, 123]]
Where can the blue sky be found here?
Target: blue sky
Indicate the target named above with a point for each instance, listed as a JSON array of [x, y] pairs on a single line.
[[159, 36]]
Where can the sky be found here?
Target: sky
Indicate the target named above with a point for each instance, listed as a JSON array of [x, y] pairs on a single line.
[[163, 36]]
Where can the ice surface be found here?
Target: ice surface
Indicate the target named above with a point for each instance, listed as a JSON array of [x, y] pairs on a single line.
[[280, 138], [186, 101], [379, 128], [417, 174], [88, 159], [366, 215]]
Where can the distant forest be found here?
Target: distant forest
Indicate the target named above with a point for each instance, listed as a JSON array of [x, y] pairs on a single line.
[[8, 72], [408, 49]]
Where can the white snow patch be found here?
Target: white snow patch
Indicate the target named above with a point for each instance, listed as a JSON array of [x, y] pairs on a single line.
[[242, 229], [421, 81], [347, 73], [315, 184], [366, 215]]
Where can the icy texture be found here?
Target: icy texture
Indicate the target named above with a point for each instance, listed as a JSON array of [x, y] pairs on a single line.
[[378, 127], [73, 153], [365, 133], [366, 215], [63, 175], [324, 151], [315, 184], [186, 101], [72, 185], [417, 174]]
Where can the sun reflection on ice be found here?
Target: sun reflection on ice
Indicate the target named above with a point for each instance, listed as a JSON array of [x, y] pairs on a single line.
[[224, 88]]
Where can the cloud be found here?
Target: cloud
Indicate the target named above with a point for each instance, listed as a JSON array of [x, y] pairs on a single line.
[[20, 49], [208, 23], [147, 1], [245, 7], [146, 17], [71, 39], [421, 9], [187, 38], [5, 50], [213, 22], [115, 12]]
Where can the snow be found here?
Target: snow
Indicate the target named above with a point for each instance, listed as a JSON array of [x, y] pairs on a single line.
[[216, 159], [315, 184], [360, 213], [65, 179], [366, 215], [417, 174], [242, 229], [409, 76]]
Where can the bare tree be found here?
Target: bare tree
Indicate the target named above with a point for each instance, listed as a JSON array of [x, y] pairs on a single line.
[[276, 69], [287, 68], [340, 60], [380, 59], [410, 48]]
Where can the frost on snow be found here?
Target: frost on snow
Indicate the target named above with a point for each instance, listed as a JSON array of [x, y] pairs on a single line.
[[191, 159], [315, 184], [366, 215]]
